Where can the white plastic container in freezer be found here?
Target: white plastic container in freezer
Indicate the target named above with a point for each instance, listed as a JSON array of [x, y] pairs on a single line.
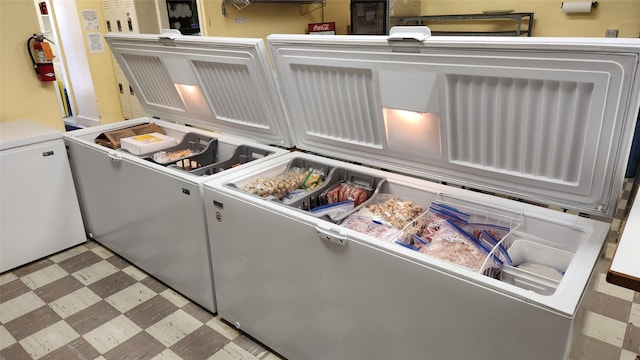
[[218, 99], [547, 121]]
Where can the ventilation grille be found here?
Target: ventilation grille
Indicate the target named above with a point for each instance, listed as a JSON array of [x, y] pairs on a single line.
[[532, 128], [153, 78], [336, 103], [231, 89]]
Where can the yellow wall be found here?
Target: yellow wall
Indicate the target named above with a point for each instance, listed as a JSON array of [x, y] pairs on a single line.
[[22, 94], [260, 20], [549, 20]]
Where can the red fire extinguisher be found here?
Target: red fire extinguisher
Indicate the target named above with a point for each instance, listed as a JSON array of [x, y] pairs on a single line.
[[41, 57]]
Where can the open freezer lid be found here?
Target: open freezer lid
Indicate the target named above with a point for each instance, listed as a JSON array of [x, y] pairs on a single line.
[[223, 84], [547, 120]]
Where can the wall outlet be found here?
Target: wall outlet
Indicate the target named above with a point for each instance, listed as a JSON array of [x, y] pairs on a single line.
[[611, 33]]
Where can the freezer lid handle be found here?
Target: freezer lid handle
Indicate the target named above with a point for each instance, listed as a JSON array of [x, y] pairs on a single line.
[[331, 236], [409, 33]]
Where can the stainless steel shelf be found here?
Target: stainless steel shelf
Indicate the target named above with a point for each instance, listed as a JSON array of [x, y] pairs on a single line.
[[524, 23]]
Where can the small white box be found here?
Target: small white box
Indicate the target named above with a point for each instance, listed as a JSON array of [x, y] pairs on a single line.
[[146, 143]]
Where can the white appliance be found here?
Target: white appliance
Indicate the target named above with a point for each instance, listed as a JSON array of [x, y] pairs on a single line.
[[547, 121], [40, 213], [151, 212]]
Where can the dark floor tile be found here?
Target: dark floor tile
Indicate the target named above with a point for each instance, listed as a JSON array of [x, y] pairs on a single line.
[[151, 311], [76, 349], [34, 266], [59, 288], [250, 345], [80, 261], [14, 352], [118, 262], [111, 284], [90, 318], [632, 339], [154, 284], [607, 305], [140, 347], [32, 322], [12, 289], [200, 344], [198, 312]]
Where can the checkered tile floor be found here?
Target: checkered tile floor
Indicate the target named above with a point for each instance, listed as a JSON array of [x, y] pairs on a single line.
[[87, 303]]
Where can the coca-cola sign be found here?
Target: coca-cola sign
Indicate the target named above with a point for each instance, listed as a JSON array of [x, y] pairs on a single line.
[[328, 28]]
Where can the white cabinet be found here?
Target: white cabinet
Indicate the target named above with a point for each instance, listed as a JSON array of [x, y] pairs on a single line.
[[39, 212]]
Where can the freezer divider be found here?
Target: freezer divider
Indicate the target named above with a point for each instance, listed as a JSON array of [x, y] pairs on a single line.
[[242, 155], [193, 151]]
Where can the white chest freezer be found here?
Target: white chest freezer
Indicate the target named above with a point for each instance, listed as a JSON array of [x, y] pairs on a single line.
[[40, 213], [218, 100], [415, 245]]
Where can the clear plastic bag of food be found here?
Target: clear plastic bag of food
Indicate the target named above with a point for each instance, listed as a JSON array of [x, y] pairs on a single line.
[[311, 178], [333, 210], [394, 211], [436, 216], [496, 231], [452, 244], [364, 224], [277, 186], [345, 191]]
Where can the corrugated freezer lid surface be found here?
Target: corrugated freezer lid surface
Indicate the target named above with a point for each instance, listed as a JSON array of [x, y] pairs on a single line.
[[548, 120], [224, 84]]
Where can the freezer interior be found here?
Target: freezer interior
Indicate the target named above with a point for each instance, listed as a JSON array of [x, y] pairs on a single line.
[[523, 251], [196, 152]]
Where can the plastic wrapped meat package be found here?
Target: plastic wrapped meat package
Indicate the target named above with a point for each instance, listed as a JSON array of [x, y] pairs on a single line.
[[441, 231], [386, 217]]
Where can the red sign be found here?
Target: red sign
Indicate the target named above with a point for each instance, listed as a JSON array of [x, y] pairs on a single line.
[[328, 28]]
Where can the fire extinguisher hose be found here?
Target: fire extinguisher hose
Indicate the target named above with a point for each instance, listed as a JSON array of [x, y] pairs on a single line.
[[33, 61]]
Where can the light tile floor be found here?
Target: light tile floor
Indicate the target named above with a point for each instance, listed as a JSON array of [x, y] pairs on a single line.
[[88, 303]]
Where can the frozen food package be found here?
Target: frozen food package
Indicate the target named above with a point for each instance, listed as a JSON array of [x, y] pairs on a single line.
[[454, 245], [496, 231], [333, 210], [292, 182], [277, 186], [436, 216], [310, 179], [345, 191], [364, 224], [395, 211]]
